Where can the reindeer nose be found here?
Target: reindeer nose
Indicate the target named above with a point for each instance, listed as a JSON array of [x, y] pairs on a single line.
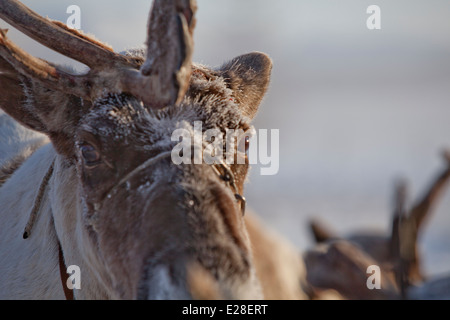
[[201, 284], [164, 282]]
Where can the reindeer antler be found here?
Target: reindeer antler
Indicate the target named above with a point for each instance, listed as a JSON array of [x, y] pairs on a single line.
[[407, 225], [38, 69], [52, 36], [163, 79]]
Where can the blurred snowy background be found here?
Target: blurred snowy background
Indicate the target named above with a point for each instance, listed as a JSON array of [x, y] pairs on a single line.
[[356, 108]]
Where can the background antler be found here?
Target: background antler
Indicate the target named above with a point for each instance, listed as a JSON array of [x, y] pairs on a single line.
[[163, 79], [407, 226]]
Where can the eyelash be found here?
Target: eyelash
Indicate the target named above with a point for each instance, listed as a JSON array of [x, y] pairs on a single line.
[[88, 151]]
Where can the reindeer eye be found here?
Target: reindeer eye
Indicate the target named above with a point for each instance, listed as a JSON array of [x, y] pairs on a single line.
[[90, 155]]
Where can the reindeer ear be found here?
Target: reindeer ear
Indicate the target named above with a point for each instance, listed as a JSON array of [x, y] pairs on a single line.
[[248, 76]]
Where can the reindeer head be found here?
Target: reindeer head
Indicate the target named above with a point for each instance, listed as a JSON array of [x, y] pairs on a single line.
[[160, 230]]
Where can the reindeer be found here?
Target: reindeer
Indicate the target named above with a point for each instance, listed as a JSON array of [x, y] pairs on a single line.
[[340, 263], [104, 194]]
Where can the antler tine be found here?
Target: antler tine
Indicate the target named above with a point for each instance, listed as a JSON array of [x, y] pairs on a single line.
[[164, 77], [41, 70], [423, 207], [56, 38], [446, 155]]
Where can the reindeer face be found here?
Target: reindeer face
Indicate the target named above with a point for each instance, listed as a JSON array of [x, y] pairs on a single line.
[[163, 220], [160, 229]]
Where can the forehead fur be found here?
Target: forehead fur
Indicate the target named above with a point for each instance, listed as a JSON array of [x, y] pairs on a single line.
[[209, 100]]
